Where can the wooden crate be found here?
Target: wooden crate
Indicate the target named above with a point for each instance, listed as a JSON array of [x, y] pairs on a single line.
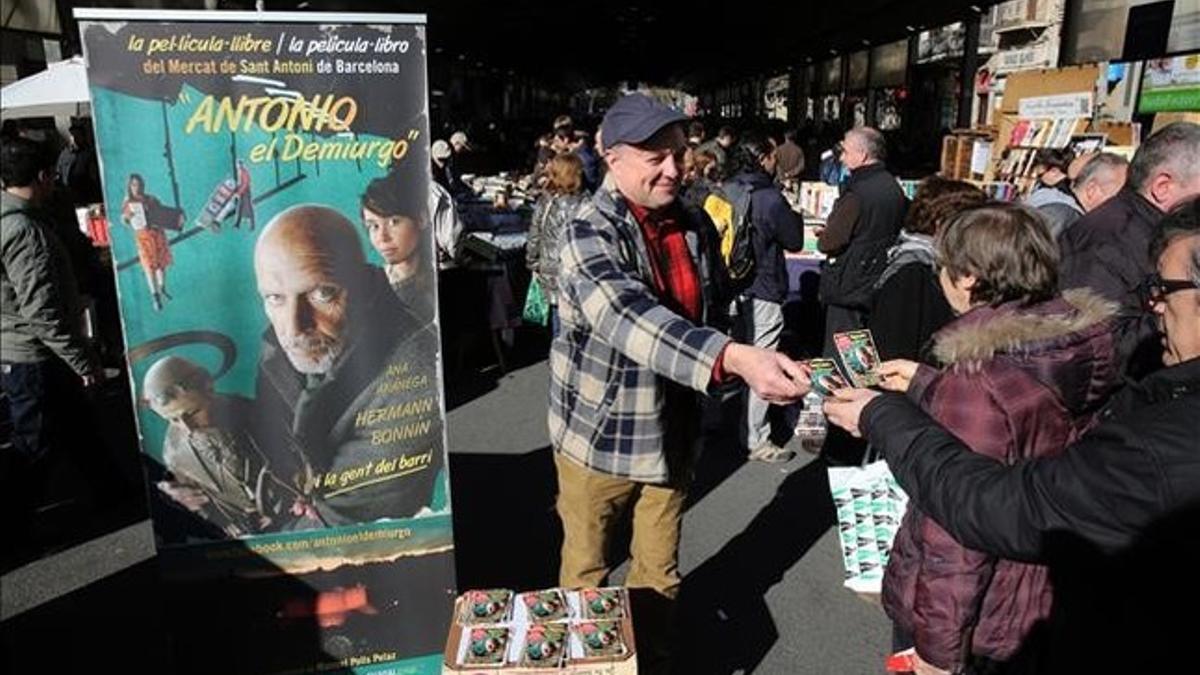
[[956, 154]]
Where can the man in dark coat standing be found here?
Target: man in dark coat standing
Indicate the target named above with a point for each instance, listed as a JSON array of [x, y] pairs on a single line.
[[1106, 250], [790, 160], [861, 228]]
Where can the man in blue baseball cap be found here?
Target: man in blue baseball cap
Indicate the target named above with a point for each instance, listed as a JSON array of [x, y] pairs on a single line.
[[635, 288]]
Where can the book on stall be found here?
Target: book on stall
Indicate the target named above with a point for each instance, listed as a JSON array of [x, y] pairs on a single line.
[[1082, 144], [1046, 133], [1019, 132]]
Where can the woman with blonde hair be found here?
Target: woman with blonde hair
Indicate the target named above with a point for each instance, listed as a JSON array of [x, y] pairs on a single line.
[[561, 197]]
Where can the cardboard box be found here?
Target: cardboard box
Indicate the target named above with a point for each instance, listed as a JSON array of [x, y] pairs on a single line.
[[625, 664]]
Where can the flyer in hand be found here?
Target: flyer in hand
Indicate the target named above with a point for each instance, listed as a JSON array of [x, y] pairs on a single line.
[[859, 356]]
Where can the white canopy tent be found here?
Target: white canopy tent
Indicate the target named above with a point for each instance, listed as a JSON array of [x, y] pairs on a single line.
[[61, 89]]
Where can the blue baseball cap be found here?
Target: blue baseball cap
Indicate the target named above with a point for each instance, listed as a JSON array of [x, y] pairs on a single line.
[[633, 119]]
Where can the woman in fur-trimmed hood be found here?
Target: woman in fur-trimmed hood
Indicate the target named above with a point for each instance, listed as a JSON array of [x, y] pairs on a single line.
[[1023, 369]]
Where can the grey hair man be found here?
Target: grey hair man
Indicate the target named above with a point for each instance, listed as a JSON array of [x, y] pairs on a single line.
[[861, 227], [1100, 179], [1106, 250], [338, 336], [1096, 178]]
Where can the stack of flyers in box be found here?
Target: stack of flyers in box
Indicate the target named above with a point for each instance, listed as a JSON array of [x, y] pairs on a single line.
[[484, 645], [544, 645], [859, 357], [870, 505], [602, 603], [598, 634], [486, 607], [598, 639], [542, 606], [543, 629]]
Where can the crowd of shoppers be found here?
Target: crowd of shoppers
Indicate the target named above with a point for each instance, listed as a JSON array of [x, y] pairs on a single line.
[[1041, 391]]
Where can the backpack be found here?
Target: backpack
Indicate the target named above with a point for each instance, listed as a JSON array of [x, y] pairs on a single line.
[[729, 208]]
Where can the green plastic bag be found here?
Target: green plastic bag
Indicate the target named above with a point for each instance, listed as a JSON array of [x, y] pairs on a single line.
[[537, 310]]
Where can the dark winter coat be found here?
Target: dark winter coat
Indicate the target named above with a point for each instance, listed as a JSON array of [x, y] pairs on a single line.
[[1108, 251], [863, 225], [777, 228], [1018, 383], [909, 305], [40, 307], [1115, 516]]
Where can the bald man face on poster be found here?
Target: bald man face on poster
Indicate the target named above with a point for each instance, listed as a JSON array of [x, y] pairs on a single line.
[[347, 373], [309, 265]]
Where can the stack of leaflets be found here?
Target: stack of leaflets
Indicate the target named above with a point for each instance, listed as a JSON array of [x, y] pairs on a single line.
[[551, 629], [870, 506]]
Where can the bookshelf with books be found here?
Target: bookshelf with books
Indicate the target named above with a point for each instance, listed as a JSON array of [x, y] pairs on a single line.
[[1042, 109]]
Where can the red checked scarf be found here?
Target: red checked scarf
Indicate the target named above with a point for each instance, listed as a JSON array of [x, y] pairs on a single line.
[[675, 275]]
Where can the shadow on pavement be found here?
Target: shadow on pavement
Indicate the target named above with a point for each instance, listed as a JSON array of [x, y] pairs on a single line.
[[115, 621], [722, 603], [89, 486], [506, 530], [472, 368]]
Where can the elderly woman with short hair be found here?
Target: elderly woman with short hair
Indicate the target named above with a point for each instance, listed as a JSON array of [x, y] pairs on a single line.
[[1022, 370]]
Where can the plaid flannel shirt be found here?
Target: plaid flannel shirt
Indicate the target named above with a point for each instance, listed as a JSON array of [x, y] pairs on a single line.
[[620, 347]]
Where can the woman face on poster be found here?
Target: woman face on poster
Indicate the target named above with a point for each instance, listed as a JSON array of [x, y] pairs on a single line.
[[396, 238], [135, 187]]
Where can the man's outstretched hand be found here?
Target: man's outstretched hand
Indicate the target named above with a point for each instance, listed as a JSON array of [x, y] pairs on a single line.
[[845, 408], [773, 376]]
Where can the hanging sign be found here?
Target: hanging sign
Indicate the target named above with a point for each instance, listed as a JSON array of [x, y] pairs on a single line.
[[1059, 106]]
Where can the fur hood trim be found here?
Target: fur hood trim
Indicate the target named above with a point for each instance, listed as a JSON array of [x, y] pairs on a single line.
[[1021, 331]]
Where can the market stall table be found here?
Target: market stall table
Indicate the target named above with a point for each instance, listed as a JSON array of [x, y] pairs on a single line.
[[491, 275]]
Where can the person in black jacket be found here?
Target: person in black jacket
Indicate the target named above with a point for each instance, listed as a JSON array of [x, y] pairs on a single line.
[[1106, 249], [777, 228], [861, 228], [1116, 515], [908, 306]]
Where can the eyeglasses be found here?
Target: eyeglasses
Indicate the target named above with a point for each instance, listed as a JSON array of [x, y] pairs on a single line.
[[1158, 288]]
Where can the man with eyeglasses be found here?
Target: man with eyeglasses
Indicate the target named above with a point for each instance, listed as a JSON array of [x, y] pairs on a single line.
[[1116, 515]]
